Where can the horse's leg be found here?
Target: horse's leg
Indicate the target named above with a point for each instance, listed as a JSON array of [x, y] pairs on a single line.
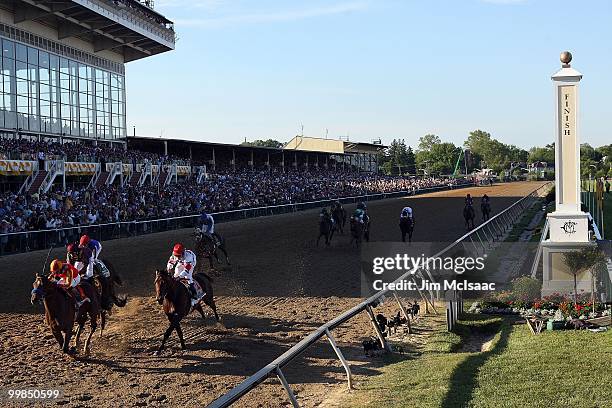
[[59, 337], [66, 347], [403, 234], [222, 248], [211, 303], [78, 333], [102, 321], [166, 335], [319, 238], [179, 331], [198, 307], [92, 328]]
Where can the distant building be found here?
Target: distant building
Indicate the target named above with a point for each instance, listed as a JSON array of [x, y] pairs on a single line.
[[63, 64], [359, 155]]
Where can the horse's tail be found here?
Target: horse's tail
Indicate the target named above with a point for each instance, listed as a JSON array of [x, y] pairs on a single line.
[[207, 276], [113, 272], [120, 301]]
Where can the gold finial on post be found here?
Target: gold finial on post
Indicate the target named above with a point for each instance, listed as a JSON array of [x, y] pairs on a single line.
[[566, 58]]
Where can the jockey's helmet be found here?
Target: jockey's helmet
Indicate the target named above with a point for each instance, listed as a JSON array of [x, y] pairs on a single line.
[[362, 205], [56, 265], [72, 248], [84, 240], [178, 250]]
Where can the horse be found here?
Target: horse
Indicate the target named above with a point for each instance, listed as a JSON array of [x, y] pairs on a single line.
[[469, 215], [61, 312], [366, 227], [357, 232], [406, 225], [339, 216], [485, 208], [175, 298], [106, 287], [206, 246], [326, 229]]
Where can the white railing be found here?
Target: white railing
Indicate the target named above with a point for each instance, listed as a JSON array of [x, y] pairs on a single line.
[[95, 177], [146, 172], [54, 168], [172, 174], [496, 224], [201, 174], [27, 183], [116, 170]]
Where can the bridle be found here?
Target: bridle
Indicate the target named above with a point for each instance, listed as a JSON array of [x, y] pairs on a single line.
[[38, 291], [163, 286]]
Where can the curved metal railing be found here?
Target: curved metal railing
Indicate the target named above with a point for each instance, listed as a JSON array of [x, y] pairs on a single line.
[[491, 230]]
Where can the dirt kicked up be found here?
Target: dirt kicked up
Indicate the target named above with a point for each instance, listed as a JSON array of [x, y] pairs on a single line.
[[279, 288]]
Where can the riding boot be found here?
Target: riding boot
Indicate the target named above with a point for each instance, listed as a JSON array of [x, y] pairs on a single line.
[[194, 294], [77, 297], [107, 300]]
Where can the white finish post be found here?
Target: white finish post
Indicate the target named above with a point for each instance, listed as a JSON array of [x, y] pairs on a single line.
[[567, 223]]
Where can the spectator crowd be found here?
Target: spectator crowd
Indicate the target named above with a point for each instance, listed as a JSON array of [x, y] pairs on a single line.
[[222, 191]]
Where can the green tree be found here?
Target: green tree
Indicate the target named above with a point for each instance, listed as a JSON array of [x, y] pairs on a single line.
[[398, 158], [435, 156], [428, 141], [542, 154], [264, 143], [492, 153], [589, 258]]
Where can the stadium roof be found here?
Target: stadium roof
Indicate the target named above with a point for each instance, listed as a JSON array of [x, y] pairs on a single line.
[[352, 147], [337, 146], [126, 27]]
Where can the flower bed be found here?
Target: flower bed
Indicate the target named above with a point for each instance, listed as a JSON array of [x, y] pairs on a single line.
[[547, 306]]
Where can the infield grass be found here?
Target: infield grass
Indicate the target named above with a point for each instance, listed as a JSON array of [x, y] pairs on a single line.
[[553, 369]]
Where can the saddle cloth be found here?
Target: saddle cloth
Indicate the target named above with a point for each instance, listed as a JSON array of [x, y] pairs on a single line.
[[102, 268], [199, 291]]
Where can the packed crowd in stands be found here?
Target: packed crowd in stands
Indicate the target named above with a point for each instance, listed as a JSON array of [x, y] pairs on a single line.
[[221, 191], [24, 149]]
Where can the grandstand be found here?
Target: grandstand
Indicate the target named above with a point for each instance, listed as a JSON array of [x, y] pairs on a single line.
[[63, 65]]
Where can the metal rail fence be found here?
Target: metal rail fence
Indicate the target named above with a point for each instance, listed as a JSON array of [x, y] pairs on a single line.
[[481, 239], [17, 242]]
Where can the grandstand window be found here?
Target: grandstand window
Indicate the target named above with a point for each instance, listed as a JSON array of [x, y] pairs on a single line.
[[22, 86], [32, 56], [22, 70], [44, 60], [21, 53], [73, 68], [64, 81], [44, 75], [54, 62], [8, 49], [63, 66]]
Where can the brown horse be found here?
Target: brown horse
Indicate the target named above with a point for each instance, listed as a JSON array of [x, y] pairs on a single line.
[[176, 301], [106, 286], [61, 311], [206, 246], [357, 232]]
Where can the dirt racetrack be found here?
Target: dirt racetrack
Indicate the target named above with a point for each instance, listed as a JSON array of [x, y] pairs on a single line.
[[279, 288]]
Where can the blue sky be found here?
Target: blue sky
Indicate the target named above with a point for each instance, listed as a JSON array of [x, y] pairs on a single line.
[[372, 69]]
